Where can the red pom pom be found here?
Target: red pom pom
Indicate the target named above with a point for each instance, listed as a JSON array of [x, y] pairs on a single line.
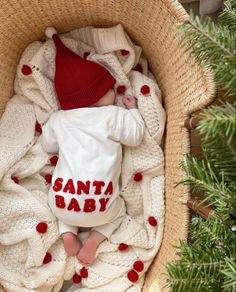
[[121, 89], [26, 70], [42, 227], [145, 89], [53, 160], [38, 127], [138, 68], [47, 259], [48, 178], [76, 279], [138, 176], [138, 266], [15, 179], [124, 52], [85, 55], [84, 273], [122, 246], [132, 276], [152, 221]]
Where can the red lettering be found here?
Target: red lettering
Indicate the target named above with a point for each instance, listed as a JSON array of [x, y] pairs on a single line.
[[69, 187], [98, 185], [109, 189], [89, 205], [58, 184], [60, 203], [103, 203], [74, 205], [83, 187]]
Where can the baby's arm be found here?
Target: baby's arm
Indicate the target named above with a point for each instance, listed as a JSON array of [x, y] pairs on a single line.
[[132, 126], [48, 138]]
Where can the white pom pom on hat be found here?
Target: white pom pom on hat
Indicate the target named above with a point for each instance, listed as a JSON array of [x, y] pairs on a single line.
[[50, 31]]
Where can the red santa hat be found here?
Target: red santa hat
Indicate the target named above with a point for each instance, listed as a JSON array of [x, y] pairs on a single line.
[[78, 82]]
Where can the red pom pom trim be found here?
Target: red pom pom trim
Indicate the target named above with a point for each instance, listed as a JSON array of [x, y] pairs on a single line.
[[132, 276], [85, 55], [76, 278], [15, 179], [152, 221], [138, 68], [84, 273], [138, 176], [124, 52], [145, 89], [138, 266], [42, 227], [48, 178], [26, 70], [122, 246], [121, 89], [53, 160], [38, 127], [47, 259]]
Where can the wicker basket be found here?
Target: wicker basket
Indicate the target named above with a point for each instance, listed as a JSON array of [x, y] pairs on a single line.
[[186, 86]]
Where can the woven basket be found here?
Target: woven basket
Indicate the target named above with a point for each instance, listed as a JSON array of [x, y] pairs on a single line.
[[186, 86]]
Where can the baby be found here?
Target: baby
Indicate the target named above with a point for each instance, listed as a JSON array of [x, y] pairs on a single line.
[[88, 132]]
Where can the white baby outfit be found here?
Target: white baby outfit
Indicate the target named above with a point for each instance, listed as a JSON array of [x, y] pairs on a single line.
[[85, 182]]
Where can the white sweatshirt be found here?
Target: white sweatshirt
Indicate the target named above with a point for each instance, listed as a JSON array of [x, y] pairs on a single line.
[[85, 182]]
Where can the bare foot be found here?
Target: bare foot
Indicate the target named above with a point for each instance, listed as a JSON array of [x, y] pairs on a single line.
[[88, 252], [71, 243]]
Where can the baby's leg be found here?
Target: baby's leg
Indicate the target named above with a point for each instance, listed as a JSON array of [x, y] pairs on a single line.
[[88, 252], [71, 242], [99, 233]]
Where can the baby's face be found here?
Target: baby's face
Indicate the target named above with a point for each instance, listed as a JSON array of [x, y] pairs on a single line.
[[107, 99]]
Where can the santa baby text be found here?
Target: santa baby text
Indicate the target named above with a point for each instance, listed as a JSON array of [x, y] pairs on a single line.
[[82, 188]]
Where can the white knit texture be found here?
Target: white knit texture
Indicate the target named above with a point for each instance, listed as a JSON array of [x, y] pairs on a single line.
[[24, 205]]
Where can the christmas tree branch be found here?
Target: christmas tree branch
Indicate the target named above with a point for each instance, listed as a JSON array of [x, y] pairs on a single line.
[[228, 16], [201, 177], [230, 274], [197, 206], [217, 119], [213, 45], [229, 146], [201, 31], [208, 258]]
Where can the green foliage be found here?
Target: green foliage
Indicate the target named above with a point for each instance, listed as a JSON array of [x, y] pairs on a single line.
[[228, 16], [201, 177], [207, 264], [230, 273], [218, 119], [208, 260], [215, 173], [218, 129], [214, 45]]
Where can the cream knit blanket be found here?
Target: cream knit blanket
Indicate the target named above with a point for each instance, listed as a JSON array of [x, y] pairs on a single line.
[[32, 258]]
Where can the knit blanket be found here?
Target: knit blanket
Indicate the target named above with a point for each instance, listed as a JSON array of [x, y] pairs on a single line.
[[32, 254]]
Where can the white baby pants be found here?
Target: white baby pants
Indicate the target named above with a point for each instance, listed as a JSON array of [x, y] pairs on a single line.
[[106, 229]]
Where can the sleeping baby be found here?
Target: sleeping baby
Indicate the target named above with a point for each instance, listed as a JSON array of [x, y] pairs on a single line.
[[87, 132]]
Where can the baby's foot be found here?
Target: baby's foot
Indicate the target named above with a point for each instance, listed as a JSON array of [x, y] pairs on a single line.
[[87, 253], [72, 243]]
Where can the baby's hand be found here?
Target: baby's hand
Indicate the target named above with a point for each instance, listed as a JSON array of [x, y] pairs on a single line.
[[130, 102]]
